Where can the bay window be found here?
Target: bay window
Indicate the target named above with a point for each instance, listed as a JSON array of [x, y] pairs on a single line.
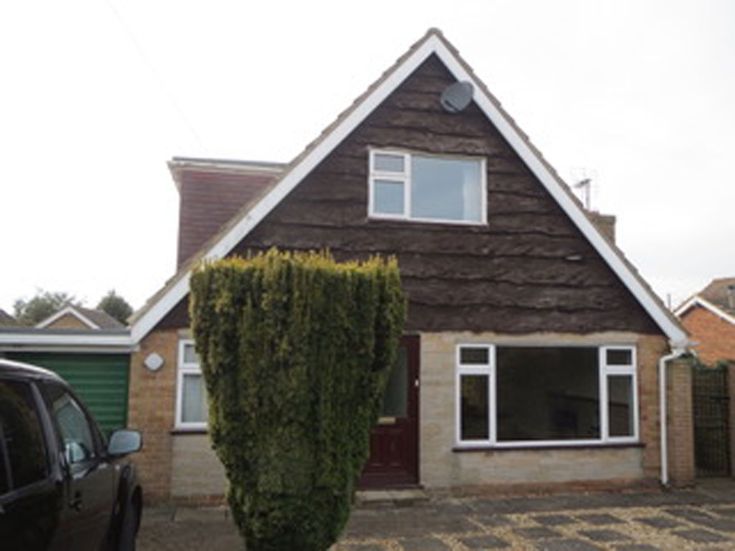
[[542, 395]]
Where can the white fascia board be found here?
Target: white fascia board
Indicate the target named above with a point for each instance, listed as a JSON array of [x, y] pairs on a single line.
[[290, 180], [63, 312], [163, 306], [61, 340], [699, 301], [432, 45], [541, 171]]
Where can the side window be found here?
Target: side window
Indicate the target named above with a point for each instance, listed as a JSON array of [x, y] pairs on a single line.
[[22, 447], [74, 427]]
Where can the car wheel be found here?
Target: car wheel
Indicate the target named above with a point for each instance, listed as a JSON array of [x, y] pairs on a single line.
[[128, 528]]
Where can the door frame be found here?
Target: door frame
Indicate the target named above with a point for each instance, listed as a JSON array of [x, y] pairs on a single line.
[[392, 480]]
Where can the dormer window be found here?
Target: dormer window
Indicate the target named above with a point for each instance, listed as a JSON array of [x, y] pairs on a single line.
[[427, 188]]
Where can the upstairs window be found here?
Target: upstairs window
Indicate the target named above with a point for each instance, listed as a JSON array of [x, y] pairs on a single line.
[[425, 188]]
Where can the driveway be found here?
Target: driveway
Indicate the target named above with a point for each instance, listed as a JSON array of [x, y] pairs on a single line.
[[700, 518]]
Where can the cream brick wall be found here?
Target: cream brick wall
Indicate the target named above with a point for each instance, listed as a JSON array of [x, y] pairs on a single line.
[[441, 467], [196, 470]]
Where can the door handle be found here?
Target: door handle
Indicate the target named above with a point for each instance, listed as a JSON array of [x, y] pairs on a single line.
[[76, 502]]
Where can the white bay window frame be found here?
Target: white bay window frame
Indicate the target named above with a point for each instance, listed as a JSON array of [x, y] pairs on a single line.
[[490, 369], [186, 368], [404, 178]]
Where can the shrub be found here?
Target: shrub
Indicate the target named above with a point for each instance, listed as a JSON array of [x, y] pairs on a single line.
[[295, 350]]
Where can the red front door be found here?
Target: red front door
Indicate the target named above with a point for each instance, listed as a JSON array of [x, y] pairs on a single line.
[[394, 441]]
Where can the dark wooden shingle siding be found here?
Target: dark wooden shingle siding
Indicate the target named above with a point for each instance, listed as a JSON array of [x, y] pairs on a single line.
[[512, 276]]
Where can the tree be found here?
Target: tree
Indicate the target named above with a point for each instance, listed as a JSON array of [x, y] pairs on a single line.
[[296, 351], [116, 306], [44, 304]]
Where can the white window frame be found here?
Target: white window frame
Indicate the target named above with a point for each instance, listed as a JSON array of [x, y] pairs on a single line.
[[405, 178], [186, 368], [628, 370], [475, 369], [491, 370]]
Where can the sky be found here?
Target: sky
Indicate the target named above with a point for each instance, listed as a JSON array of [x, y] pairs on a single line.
[[97, 95]]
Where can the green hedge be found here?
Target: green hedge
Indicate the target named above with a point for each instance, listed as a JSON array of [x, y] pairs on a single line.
[[295, 350]]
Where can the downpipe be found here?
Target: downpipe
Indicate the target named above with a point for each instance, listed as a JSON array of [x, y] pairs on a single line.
[[677, 350]]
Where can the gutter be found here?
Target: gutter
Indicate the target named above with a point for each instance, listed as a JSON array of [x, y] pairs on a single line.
[[677, 350]]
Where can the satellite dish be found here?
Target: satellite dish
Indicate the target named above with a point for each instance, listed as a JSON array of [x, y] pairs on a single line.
[[456, 97]]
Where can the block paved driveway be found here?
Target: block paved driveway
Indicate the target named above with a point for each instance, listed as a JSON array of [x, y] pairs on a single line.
[[701, 518]]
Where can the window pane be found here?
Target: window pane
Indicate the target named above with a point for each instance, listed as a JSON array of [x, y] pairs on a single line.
[[190, 354], [388, 163], [474, 407], [619, 356], [548, 394], [388, 197], [76, 433], [193, 399], [620, 405], [20, 437], [446, 189], [396, 393], [474, 356]]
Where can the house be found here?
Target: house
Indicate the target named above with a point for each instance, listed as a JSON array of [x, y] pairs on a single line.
[[77, 317], [6, 320], [88, 348], [709, 316], [532, 348]]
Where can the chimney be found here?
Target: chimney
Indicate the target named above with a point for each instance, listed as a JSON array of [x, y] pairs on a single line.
[[605, 223], [211, 192]]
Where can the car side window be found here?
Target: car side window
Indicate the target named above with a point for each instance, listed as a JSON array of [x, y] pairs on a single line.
[[22, 446], [74, 427]]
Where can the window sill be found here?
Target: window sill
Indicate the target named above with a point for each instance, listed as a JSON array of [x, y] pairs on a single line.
[[544, 447], [426, 221], [193, 430]]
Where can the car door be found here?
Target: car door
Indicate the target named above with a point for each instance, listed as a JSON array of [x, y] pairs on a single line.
[[89, 484], [29, 493]]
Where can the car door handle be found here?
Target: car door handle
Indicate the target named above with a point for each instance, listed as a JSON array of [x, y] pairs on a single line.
[[76, 503]]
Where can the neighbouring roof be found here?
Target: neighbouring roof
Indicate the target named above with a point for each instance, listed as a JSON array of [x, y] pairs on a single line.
[[6, 320], [718, 297], [433, 43], [94, 319]]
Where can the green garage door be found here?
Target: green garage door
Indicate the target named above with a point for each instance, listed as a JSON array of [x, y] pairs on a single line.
[[100, 380]]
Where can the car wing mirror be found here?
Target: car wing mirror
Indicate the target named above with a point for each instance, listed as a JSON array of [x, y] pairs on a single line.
[[123, 442]]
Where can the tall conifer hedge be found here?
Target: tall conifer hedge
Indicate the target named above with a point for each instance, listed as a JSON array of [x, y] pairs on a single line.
[[295, 350]]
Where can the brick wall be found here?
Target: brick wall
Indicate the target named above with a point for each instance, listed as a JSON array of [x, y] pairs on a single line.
[[196, 472], [716, 337], [680, 420], [151, 408], [441, 466]]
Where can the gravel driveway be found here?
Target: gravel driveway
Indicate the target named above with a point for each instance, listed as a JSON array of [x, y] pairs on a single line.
[[701, 518]]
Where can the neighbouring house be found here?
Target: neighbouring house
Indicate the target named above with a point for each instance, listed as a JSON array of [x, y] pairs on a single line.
[[532, 348], [77, 317], [88, 348], [709, 317], [6, 320]]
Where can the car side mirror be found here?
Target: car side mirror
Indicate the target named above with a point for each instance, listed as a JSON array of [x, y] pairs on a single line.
[[123, 442]]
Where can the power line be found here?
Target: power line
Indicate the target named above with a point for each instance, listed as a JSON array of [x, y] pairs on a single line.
[[159, 81]]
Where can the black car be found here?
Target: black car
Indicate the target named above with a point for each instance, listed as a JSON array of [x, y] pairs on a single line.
[[63, 485]]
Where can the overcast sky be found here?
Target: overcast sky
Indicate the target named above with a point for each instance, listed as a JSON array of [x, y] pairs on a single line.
[[96, 96]]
